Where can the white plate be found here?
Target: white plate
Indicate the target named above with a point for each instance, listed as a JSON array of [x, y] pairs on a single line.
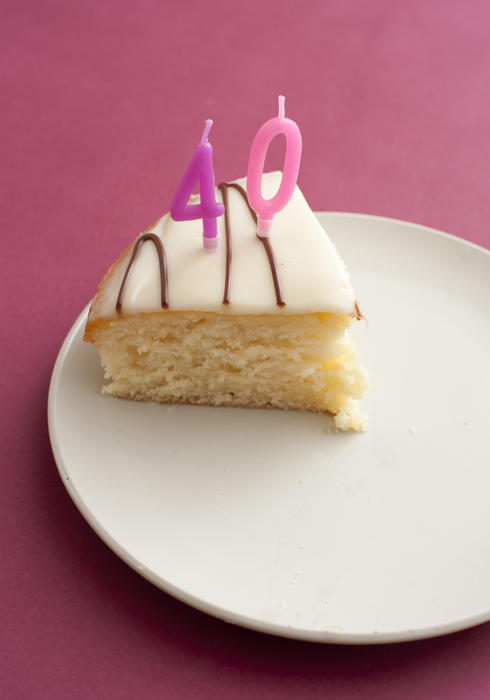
[[264, 519]]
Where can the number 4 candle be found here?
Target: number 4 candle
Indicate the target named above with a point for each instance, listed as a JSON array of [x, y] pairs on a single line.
[[266, 208], [200, 169]]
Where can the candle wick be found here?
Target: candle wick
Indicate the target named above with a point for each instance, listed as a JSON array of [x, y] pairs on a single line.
[[207, 128], [282, 109]]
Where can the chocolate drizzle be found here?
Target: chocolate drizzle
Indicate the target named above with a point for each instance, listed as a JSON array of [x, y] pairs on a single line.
[[223, 188], [275, 273], [359, 314], [265, 242], [162, 259]]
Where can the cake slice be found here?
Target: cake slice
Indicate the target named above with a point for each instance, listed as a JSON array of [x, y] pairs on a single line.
[[258, 323]]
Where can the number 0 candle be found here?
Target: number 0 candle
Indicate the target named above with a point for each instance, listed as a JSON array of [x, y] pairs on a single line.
[[267, 208], [200, 169]]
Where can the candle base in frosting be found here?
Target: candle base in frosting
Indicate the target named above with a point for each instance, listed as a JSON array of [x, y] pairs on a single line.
[[210, 243]]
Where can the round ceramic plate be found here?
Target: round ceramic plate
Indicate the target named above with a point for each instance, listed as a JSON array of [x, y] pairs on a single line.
[[271, 520]]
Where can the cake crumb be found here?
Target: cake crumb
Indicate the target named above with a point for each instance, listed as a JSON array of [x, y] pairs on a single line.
[[351, 418]]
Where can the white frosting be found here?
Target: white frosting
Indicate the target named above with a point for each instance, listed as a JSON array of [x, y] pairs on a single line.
[[312, 274]]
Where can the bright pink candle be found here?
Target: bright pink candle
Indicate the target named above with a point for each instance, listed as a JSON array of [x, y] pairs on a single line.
[[200, 170], [266, 208]]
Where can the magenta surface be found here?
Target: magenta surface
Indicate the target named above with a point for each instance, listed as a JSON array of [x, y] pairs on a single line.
[[102, 106]]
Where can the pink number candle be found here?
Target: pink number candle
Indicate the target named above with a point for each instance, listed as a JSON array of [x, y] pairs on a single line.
[[267, 208], [200, 169]]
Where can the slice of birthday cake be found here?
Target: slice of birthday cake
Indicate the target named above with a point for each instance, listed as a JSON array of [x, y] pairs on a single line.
[[257, 323]]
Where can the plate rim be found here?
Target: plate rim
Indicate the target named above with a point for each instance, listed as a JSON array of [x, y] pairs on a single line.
[[411, 224], [274, 629]]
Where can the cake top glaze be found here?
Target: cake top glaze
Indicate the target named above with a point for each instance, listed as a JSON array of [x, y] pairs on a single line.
[[312, 277]]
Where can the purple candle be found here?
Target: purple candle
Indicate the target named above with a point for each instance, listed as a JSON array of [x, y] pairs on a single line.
[[200, 169]]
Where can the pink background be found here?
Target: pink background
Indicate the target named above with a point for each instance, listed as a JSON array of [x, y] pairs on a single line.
[[102, 105]]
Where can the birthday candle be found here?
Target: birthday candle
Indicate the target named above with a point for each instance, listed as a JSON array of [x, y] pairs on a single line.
[[200, 169], [267, 208]]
